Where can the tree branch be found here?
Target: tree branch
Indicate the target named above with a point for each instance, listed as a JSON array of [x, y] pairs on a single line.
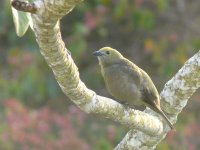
[[24, 6], [148, 126], [174, 98]]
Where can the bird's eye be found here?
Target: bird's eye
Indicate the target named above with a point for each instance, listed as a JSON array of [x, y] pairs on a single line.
[[107, 52]]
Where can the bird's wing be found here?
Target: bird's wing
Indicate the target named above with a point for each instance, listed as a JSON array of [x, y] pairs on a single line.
[[149, 92], [149, 97], [131, 70]]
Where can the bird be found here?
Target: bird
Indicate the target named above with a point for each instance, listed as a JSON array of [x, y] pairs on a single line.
[[128, 83]]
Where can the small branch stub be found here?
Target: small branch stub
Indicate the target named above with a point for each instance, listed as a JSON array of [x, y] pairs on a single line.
[[24, 6]]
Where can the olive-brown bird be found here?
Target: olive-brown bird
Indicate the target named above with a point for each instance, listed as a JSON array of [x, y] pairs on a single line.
[[127, 82]]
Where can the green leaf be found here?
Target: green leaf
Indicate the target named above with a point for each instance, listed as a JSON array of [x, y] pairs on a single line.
[[162, 4], [22, 20], [143, 18]]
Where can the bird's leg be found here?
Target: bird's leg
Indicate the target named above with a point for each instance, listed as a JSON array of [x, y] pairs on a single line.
[[141, 107], [126, 105]]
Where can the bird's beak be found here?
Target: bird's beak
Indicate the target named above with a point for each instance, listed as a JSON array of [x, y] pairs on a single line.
[[97, 53]]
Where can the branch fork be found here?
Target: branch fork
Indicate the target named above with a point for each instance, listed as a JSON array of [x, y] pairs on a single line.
[[147, 130]]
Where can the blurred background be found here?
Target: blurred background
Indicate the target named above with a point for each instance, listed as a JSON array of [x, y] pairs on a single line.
[[158, 35]]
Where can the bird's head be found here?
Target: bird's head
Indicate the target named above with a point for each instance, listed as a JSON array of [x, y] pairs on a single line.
[[108, 56]]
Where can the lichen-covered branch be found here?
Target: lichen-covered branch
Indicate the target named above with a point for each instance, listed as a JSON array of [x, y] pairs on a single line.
[[52, 47], [174, 97], [147, 127]]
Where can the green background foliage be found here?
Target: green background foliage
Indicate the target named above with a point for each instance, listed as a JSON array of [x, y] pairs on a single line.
[[159, 36]]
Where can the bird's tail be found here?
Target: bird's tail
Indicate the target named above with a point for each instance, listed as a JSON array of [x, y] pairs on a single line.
[[165, 117]]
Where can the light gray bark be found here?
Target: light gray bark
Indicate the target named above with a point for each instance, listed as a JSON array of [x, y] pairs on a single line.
[[146, 128]]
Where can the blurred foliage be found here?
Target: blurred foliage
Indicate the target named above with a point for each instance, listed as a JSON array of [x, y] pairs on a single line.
[[47, 129], [35, 113]]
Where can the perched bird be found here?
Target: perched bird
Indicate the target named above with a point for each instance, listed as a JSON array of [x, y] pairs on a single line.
[[128, 83]]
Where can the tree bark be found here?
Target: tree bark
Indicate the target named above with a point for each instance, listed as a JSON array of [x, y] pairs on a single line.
[[146, 128]]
